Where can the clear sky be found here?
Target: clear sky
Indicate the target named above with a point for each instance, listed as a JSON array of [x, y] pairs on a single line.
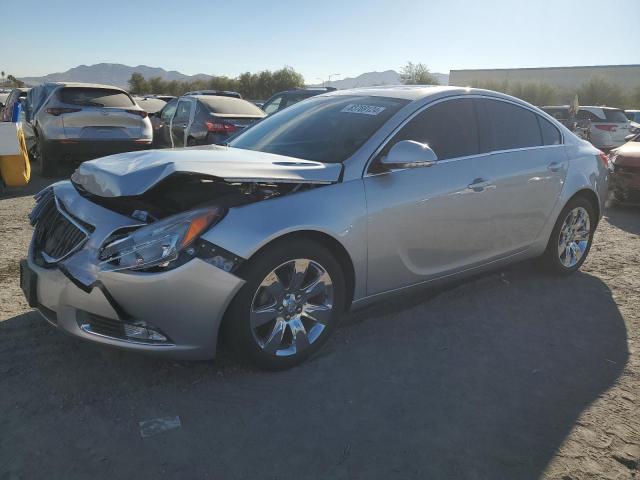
[[316, 38]]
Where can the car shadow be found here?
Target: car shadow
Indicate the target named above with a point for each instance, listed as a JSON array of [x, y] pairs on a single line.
[[624, 216], [482, 379], [36, 183]]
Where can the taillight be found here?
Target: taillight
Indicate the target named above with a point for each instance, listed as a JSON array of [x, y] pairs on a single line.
[[604, 158], [607, 128], [220, 127], [59, 111], [140, 113]]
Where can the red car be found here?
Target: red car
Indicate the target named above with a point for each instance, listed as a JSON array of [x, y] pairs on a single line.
[[625, 170]]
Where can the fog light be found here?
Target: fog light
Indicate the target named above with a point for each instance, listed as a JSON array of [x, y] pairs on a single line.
[[143, 333]]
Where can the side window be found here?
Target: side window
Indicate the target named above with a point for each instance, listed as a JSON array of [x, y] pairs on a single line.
[[550, 134], [168, 110], [448, 127], [272, 106], [509, 126], [183, 109]]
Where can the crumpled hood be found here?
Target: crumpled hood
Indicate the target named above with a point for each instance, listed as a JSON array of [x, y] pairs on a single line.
[[133, 173]]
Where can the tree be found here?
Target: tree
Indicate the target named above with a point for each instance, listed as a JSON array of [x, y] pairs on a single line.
[[3, 77], [417, 74], [599, 91], [138, 84]]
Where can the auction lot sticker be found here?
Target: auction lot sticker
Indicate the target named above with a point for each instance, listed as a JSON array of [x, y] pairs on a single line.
[[363, 109]]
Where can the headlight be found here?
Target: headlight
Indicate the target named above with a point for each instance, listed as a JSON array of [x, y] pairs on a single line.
[[160, 243]]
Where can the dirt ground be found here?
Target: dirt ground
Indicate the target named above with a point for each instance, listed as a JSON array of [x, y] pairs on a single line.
[[513, 375]]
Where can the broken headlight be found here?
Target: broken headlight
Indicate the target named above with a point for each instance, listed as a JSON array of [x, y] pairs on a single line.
[[159, 244]]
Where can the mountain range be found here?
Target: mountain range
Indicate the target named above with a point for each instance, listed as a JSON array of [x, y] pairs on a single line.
[[118, 75], [110, 74]]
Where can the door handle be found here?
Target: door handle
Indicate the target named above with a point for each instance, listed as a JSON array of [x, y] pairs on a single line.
[[554, 166], [479, 184], [184, 125]]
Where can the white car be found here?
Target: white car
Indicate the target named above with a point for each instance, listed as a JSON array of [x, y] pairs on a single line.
[[609, 126]]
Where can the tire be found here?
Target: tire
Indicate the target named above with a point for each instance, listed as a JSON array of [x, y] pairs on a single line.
[[191, 142], [571, 237], [269, 325], [46, 164]]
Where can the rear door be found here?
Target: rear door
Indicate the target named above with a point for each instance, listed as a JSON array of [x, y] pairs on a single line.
[[162, 130], [98, 114], [525, 171]]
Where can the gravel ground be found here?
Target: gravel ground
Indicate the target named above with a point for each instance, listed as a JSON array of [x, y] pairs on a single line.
[[511, 375]]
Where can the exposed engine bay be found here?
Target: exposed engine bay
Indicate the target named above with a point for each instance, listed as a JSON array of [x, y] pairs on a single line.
[[181, 192]]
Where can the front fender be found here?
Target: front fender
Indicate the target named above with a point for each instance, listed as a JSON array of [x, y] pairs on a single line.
[[337, 210]]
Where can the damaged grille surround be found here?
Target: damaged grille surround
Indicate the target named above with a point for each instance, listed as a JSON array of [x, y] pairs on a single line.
[[57, 234]]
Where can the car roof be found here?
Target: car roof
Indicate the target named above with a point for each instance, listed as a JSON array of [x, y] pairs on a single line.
[[419, 92], [84, 85]]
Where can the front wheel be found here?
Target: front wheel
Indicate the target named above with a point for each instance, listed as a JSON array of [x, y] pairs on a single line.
[[289, 305], [571, 238]]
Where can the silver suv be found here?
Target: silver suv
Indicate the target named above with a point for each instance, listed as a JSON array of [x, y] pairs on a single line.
[[78, 121]]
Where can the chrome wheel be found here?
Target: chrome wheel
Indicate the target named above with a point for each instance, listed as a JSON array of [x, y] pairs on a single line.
[[574, 237], [292, 307]]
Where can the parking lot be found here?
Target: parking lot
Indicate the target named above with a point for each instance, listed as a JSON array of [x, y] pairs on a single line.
[[510, 375]]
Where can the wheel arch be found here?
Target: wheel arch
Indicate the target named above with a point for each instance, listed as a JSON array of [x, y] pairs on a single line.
[[330, 243], [591, 197]]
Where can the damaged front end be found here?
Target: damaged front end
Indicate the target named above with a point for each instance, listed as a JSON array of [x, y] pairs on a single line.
[[155, 206]]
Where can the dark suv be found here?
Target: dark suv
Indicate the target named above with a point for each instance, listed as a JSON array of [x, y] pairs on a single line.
[[282, 100]]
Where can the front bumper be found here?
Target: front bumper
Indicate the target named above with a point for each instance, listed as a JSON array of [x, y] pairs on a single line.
[[185, 304]]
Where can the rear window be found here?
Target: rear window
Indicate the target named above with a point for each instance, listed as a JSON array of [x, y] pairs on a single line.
[[616, 116], [588, 115], [230, 106], [96, 97]]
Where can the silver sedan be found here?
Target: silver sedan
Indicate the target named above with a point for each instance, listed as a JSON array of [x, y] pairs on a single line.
[[334, 203]]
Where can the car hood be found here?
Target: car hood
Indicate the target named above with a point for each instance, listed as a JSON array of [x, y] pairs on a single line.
[[133, 173], [629, 152]]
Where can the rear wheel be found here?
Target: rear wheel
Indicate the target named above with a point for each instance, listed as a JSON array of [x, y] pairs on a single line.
[[191, 142], [289, 305], [571, 238], [46, 164]]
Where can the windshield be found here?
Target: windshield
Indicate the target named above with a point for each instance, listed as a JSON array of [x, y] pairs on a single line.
[[325, 129]]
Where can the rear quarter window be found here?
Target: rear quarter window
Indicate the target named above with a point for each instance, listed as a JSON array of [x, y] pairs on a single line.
[[96, 97], [550, 134]]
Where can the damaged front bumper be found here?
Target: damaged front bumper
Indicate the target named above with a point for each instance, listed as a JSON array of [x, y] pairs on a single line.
[[175, 313]]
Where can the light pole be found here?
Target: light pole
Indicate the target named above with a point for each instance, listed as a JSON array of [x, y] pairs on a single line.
[[332, 75]]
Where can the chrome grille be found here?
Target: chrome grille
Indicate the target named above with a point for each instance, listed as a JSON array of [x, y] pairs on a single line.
[[57, 234]]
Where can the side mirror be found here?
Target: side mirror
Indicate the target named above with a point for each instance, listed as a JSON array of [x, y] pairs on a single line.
[[409, 154]]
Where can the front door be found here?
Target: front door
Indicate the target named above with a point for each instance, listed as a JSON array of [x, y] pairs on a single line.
[[428, 222], [181, 121]]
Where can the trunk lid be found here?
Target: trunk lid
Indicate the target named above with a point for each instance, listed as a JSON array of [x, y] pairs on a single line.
[[97, 123], [133, 173]]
